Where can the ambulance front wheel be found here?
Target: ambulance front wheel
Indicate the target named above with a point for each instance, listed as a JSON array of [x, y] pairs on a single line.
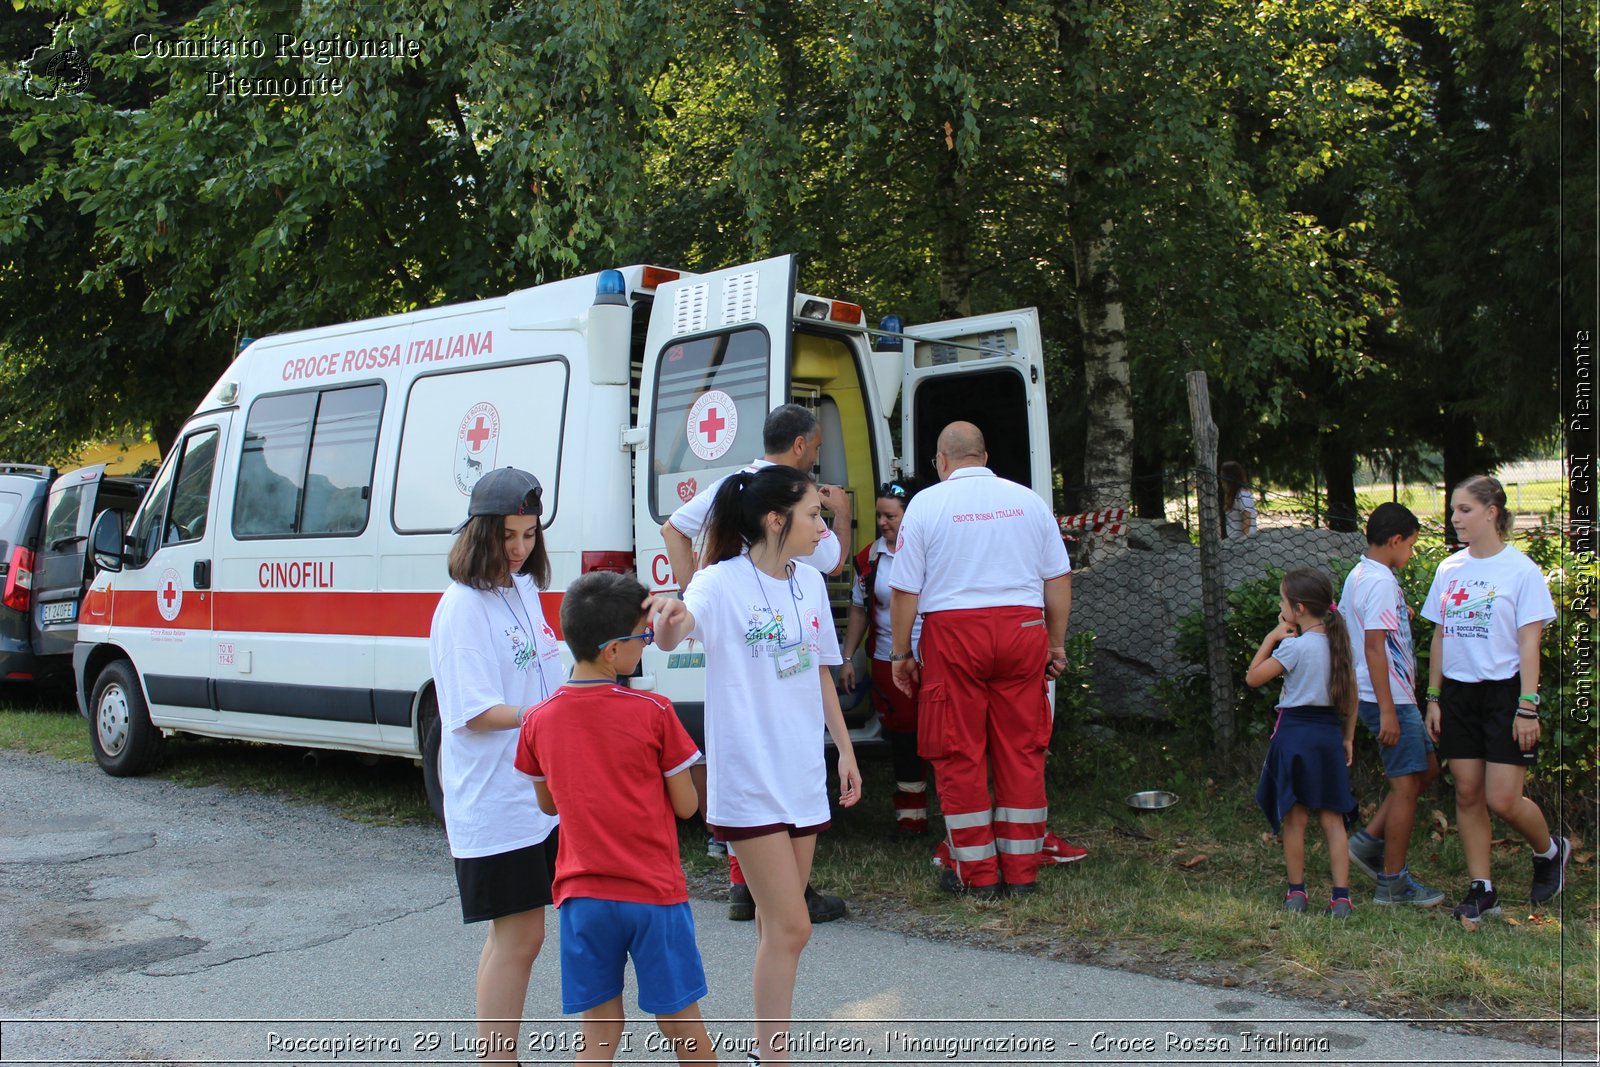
[[124, 741], [428, 728]]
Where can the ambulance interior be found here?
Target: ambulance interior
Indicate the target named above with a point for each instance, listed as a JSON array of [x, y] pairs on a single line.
[[827, 379]]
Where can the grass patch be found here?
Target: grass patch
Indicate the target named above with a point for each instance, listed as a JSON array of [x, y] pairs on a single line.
[[1195, 892], [379, 790]]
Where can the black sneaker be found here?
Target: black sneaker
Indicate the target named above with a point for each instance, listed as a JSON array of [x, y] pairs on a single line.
[[741, 905], [824, 907], [951, 882], [1550, 875], [1479, 904]]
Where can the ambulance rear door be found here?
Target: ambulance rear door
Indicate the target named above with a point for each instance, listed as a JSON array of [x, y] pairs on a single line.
[[716, 360], [987, 370]]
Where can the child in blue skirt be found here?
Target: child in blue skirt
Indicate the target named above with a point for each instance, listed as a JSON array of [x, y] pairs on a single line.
[[1308, 765]]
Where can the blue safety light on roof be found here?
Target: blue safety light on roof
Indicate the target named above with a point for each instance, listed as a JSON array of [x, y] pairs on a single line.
[[890, 324], [244, 343], [611, 288]]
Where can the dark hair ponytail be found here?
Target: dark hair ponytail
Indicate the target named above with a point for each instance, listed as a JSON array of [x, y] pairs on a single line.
[[743, 501], [1313, 590]]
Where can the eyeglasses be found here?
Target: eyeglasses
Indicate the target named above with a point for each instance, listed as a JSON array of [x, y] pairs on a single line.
[[894, 489], [648, 637]]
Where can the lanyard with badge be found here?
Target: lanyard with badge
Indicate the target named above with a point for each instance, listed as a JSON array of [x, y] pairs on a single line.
[[790, 659], [526, 626]]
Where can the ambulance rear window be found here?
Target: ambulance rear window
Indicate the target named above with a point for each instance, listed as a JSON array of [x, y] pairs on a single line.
[[710, 404]]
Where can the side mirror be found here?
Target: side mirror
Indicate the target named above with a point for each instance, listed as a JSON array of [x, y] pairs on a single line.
[[105, 541]]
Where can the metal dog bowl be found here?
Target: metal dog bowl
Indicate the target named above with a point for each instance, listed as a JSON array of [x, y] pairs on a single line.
[[1151, 800]]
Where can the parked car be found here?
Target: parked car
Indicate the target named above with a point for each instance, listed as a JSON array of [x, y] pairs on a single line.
[[44, 569]]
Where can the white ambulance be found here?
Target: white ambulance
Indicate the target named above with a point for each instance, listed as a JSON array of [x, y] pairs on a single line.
[[278, 581]]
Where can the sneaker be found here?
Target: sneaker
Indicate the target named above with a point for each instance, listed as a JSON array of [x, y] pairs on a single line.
[[716, 848], [1060, 850], [1021, 889], [1479, 904], [1340, 908], [824, 907], [951, 882], [1404, 889], [741, 905], [1550, 875], [1367, 857], [1294, 901]]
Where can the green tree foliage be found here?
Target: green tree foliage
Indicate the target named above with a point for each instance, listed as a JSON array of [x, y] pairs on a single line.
[[1280, 190]]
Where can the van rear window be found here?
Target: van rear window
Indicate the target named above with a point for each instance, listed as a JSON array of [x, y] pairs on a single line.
[[306, 469], [10, 503]]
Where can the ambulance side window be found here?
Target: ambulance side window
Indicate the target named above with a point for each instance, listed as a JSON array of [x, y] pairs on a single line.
[[306, 467]]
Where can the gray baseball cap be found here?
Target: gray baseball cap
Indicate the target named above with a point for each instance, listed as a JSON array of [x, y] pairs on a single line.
[[505, 491]]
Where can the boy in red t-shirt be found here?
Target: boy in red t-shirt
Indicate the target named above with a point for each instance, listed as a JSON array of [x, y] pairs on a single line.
[[612, 761]]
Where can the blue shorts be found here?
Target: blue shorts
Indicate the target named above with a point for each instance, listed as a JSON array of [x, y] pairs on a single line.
[[598, 936], [1409, 755]]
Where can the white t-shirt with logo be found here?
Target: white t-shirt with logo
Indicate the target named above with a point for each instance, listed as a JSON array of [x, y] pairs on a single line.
[[1372, 600], [882, 592], [978, 541], [490, 647], [692, 515], [1481, 604], [763, 733]]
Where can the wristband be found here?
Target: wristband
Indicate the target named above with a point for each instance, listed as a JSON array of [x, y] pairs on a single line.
[[1532, 698], [899, 657], [1432, 692], [1527, 714]]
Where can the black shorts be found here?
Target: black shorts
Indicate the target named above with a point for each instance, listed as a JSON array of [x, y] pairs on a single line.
[[1477, 720], [493, 887]]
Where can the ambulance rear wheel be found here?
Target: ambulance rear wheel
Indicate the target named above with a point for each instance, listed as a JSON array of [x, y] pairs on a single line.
[[428, 728], [124, 741]]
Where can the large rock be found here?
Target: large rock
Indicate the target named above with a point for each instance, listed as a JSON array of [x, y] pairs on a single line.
[[1134, 595]]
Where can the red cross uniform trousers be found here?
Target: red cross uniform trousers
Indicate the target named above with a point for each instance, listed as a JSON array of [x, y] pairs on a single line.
[[984, 713]]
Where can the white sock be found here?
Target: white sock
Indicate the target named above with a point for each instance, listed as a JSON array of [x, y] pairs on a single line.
[[1552, 851]]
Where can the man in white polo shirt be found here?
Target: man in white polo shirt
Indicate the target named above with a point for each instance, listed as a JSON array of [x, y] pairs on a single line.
[[981, 558]]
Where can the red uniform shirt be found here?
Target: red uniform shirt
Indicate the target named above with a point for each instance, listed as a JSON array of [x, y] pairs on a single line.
[[604, 752]]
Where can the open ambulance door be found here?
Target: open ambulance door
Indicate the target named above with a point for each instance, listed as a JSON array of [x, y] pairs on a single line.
[[716, 360], [987, 370]]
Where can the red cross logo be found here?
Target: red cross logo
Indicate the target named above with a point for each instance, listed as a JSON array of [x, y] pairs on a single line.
[[478, 434], [1458, 597], [712, 425], [170, 594]]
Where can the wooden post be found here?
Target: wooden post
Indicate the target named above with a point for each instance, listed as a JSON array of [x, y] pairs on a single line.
[[1213, 591]]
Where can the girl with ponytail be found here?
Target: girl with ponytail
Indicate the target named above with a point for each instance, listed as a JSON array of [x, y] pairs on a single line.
[[764, 617], [1308, 763]]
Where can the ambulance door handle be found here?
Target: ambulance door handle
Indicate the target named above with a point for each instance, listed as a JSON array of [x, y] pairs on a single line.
[[202, 574]]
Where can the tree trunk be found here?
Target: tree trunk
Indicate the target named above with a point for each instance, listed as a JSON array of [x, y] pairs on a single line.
[[1149, 495], [1338, 460], [1108, 453], [1463, 457], [955, 239]]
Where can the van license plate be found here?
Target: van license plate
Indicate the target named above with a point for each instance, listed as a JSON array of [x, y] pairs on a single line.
[[60, 611]]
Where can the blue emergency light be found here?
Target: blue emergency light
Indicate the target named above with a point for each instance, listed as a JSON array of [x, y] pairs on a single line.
[[890, 324], [611, 288]]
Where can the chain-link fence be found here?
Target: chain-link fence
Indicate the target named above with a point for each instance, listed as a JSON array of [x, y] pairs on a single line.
[[1164, 595]]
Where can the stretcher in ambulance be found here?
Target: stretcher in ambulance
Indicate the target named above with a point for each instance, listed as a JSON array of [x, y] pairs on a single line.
[[279, 579]]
